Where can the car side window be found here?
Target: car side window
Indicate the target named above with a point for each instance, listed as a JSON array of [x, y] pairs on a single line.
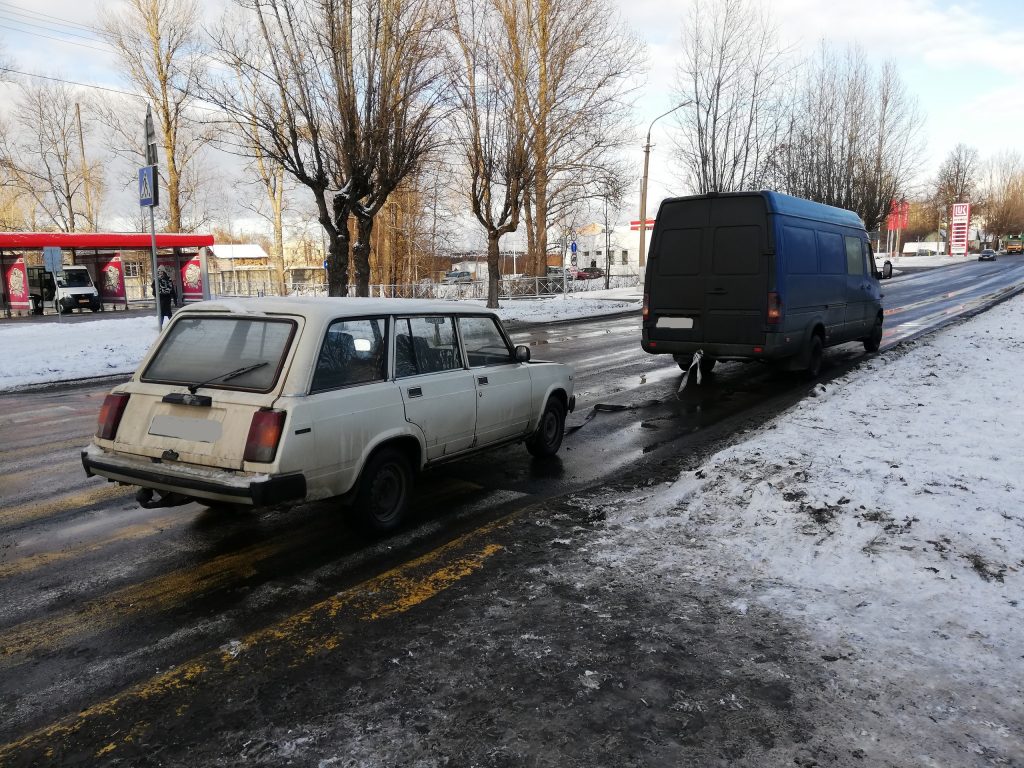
[[425, 345], [854, 256], [353, 352], [484, 343]]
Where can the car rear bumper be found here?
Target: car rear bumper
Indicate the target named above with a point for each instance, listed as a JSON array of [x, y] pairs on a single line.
[[775, 347], [208, 483]]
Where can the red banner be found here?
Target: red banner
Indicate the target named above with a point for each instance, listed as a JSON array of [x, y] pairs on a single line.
[[899, 215]]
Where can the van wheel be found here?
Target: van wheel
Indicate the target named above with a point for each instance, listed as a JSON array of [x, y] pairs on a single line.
[[707, 364], [815, 354], [548, 438], [874, 341], [683, 361], [384, 491]]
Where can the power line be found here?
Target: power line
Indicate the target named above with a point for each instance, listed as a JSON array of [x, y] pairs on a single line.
[[72, 82], [13, 18], [20, 11], [58, 39]]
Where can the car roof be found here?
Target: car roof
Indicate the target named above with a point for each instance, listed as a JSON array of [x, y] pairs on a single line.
[[322, 307]]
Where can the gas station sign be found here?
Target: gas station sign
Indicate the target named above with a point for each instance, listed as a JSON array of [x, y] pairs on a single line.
[[959, 224]]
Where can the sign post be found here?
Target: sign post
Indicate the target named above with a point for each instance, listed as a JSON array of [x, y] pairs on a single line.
[[149, 197], [959, 222], [53, 259]]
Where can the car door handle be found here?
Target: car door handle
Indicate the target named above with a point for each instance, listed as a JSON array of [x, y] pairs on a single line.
[[415, 391], [482, 379]]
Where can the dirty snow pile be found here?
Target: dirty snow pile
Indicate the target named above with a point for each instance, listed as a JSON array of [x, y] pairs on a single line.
[[885, 514]]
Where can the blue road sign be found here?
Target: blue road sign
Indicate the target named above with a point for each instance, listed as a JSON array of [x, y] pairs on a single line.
[[149, 189], [572, 246], [52, 258]]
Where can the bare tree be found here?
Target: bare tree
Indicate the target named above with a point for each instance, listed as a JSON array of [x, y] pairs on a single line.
[[491, 124], [732, 69], [340, 93], [161, 50], [42, 155], [957, 180], [852, 139], [582, 62], [1002, 187]]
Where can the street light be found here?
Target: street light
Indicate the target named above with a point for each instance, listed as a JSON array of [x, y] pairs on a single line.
[[643, 184]]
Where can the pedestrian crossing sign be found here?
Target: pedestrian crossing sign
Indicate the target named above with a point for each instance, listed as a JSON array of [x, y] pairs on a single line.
[[149, 189]]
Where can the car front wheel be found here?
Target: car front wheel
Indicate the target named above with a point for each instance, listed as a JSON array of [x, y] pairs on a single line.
[[548, 438], [384, 491], [874, 341]]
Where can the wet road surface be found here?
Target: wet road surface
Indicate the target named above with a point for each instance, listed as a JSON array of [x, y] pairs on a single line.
[[185, 636]]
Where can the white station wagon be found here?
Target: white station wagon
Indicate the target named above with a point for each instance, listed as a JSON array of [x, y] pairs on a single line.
[[270, 401]]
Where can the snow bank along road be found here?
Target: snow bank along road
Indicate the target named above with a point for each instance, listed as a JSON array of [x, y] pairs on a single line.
[[839, 590]]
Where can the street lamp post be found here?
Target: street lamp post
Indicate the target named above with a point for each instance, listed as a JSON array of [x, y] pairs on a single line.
[[643, 184]]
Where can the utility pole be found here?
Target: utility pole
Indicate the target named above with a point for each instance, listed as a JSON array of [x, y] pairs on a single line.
[[643, 185], [90, 214]]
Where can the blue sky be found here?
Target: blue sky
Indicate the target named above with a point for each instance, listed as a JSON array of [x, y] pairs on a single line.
[[963, 61]]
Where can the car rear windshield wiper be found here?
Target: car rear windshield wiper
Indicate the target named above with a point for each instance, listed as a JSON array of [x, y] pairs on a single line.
[[227, 376]]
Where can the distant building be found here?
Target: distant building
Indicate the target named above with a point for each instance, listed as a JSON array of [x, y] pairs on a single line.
[[242, 270]]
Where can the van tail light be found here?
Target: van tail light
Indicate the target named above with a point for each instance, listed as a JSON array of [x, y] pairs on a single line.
[[774, 308], [110, 415], [647, 306], [265, 432]]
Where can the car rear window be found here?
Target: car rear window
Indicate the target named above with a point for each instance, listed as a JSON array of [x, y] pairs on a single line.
[[214, 350]]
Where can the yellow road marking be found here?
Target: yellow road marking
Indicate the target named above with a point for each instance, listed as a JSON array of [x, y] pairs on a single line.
[[390, 593], [35, 510]]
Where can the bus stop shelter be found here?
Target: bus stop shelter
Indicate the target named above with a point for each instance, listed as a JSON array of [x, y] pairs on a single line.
[[116, 277]]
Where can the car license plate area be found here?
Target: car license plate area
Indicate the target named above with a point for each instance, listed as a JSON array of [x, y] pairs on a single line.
[[184, 428], [675, 322]]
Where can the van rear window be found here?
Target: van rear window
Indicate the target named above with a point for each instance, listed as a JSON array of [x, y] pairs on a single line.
[[737, 250], [216, 349], [679, 252]]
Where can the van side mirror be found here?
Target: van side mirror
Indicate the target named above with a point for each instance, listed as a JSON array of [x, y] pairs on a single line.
[[886, 270], [522, 354]]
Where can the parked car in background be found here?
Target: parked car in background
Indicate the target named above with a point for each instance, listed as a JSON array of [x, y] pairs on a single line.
[[591, 273], [987, 255], [457, 276], [276, 401]]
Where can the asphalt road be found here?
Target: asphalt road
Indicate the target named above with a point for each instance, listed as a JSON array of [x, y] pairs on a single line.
[[479, 635]]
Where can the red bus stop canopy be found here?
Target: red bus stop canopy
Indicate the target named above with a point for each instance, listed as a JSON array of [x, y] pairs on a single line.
[[140, 240]]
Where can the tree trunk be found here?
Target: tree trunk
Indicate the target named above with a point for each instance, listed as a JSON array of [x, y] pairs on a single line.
[[361, 254], [493, 270], [337, 243]]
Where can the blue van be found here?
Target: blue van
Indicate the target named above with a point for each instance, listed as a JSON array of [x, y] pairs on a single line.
[[758, 276]]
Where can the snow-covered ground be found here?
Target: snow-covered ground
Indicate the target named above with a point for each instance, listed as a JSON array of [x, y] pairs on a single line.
[[885, 515], [37, 353]]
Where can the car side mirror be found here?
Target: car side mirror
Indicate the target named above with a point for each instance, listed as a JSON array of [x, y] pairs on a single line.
[[886, 272], [522, 354]]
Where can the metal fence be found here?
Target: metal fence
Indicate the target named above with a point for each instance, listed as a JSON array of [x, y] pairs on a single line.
[[509, 287]]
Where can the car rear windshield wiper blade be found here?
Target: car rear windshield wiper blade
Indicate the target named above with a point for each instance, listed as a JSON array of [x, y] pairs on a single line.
[[227, 376]]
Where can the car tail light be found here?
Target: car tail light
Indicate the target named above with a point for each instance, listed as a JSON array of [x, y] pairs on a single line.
[[647, 306], [110, 415], [264, 434], [774, 308]]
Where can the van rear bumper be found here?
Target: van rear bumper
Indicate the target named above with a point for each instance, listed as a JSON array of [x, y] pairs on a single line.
[[776, 346], [259, 490]]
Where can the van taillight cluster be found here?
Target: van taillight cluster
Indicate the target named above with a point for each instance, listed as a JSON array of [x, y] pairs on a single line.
[[774, 308], [264, 434], [110, 415]]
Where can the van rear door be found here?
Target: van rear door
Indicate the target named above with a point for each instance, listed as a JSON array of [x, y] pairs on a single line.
[[710, 271]]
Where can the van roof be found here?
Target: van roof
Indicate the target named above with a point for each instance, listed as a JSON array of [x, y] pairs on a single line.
[[787, 205]]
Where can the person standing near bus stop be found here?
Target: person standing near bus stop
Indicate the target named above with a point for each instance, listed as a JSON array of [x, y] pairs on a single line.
[[166, 293]]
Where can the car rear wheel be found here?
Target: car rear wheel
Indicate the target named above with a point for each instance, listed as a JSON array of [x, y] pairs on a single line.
[[548, 438], [874, 341], [384, 491]]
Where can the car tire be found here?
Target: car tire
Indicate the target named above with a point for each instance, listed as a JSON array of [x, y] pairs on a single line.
[[384, 490], [707, 365], [547, 439], [874, 341], [683, 361], [815, 355]]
